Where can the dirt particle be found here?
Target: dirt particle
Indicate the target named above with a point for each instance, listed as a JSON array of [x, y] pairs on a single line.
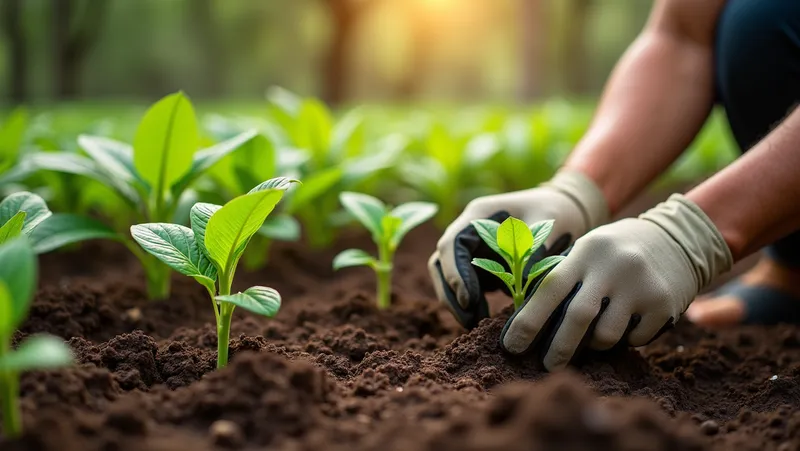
[[226, 434], [709, 427]]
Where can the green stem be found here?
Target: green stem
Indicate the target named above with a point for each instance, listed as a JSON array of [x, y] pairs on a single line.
[[384, 275], [519, 292], [224, 322], [157, 274], [9, 396]]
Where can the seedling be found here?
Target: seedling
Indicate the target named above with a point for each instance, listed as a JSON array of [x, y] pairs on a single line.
[[210, 250], [152, 175], [17, 286], [516, 243], [388, 228]]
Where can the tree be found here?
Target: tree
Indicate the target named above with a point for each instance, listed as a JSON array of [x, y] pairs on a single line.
[[17, 56], [533, 33]]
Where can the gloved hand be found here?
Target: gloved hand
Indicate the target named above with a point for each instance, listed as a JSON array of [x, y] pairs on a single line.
[[625, 282], [574, 201]]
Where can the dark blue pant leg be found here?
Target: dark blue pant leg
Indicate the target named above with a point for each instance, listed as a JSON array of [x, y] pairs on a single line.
[[757, 74]]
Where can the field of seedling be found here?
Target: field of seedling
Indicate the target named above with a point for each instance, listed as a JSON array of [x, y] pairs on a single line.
[[254, 277]]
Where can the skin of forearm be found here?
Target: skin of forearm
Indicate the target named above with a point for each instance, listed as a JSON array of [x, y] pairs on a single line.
[[657, 99], [756, 200]]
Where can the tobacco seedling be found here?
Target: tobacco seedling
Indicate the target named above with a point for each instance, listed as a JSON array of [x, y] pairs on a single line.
[[17, 285], [210, 250], [152, 175], [388, 227], [516, 243]]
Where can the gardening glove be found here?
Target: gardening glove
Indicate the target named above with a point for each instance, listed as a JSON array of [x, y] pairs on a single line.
[[623, 283], [570, 198]]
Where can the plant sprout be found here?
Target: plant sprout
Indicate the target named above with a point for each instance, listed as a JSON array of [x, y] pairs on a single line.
[[516, 243], [210, 250], [388, 228], [17, 286]]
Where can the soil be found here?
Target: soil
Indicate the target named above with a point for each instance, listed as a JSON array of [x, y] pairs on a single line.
[[332, 372]]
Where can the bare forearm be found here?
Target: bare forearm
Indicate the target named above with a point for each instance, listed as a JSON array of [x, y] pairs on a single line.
[[656, 101], [756, 200]]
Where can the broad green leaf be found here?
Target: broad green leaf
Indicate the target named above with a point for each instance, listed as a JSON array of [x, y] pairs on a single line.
[[353, 257], [206, 158], [496, 269], [487, 230], [368, 210], [114, 157], [12, 130], [480, 149], [175, 245], [231, 227], [256, 160], [514, 237], [313, 187], [62, 229], [260, 300], [384, 155], [284, 99], [165, 142], [34, 206], [281, 183], [541, 230], [13, 227], [411, 215], [347, 133], [543, 265], [314, 126], [18, 273], [198, 217], [39, 352], [281, 228]]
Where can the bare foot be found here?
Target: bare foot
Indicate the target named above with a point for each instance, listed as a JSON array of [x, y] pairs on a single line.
[[728, 310]]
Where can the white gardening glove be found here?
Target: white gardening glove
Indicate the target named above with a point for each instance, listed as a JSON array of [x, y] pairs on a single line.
[[625, 282], [570, 198]]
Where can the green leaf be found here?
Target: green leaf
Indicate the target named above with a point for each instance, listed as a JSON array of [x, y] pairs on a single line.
[[62, 229], [543, 265], [353, 257], [313, 187], [411, 215], [206, 158], [260, 300], [34, 206], [281, 183], [199, 215], [496, 269], [487, 230], [18, 274], [40, 352], [13, 227], [231, 227], [514, 237], [541, 230], [12, 132], [389, 226], [175, 245], [368, 210], [314, 126], [165, 142], [281, 228], [284, 99], [114, 157], [7, 326]]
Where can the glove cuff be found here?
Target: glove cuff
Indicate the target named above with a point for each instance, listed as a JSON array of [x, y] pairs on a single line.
[[586, 195], [693, 230]]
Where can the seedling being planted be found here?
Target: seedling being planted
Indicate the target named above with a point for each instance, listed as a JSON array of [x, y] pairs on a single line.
[[210, 250], [388, 228], [516, 243], [17, 285]]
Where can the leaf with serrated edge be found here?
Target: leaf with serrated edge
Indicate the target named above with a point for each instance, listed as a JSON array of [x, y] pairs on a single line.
[[34, 206], [18, 273], [39, 352], [231, 227], [260, 300], [368, 210], [543, 265], [13, 227], [174, 245], [411, 215], [62, 229], [514, 237], [352, 257], [496, 269], [198, 216]]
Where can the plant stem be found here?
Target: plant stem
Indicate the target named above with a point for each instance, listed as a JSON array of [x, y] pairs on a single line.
[[519, 293], [224, 322], [384, 275], [157, 274], [9, 396]]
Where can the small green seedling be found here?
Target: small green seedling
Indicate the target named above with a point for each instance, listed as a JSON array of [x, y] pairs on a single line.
[[17, 286], [516, 243], [388, 228], [210, 250]]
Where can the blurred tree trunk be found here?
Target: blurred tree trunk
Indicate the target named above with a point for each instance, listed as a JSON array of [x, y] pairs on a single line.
[[575, 55], [75, 32], [17, 57], [207, 31], [533, 32], [344, 14]]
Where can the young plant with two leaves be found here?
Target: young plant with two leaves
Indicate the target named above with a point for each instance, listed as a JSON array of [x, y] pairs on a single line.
[[210, 251], [18, 274], [152, 178], [388, 227], [516, 244]]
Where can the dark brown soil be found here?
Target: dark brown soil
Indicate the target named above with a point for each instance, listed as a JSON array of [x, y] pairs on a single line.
[[331, 372]]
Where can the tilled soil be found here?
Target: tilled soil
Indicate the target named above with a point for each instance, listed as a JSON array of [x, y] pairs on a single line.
[[331, 372]]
